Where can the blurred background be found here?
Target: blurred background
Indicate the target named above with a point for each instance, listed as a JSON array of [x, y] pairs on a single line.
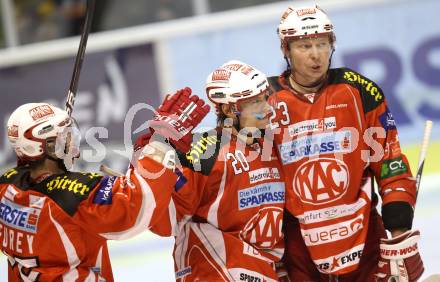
[[142, 49]]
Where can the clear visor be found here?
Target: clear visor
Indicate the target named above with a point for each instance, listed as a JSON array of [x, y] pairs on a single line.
[[67, 143]]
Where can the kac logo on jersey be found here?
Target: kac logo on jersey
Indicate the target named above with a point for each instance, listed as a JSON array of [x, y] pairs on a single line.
[[19, 217], [267, 193], [264, 229], [321, 181], [315, 145], [104, 194], [387, 120]]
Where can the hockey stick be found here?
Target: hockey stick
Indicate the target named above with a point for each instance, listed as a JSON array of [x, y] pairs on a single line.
[[105, 169], [80, 57], [423, 150], [432, 278]]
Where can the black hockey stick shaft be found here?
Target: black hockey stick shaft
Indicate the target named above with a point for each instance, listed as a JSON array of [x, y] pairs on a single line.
[[80, 57]]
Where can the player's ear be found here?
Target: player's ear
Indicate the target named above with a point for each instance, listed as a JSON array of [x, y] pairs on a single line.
[[50, 147]]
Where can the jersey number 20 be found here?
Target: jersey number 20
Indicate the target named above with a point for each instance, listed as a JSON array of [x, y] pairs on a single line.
[[239, 162]]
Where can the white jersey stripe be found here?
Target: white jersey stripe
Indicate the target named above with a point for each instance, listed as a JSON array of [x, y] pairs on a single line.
[[358, 112], [173, 217], [72, 257], [181, 247], [93, 272], [145, 213], [213, 210], [212, 240]]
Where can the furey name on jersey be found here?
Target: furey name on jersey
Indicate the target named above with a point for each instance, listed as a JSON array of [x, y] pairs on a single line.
[[316, 144], [13, 219], [267, 193]]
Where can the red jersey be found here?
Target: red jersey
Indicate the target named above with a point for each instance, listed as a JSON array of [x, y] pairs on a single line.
[[227, 217], [56, 230], [329, 144]]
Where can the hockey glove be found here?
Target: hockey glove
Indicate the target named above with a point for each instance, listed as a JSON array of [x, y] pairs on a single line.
[[400, 260], [178, 115]]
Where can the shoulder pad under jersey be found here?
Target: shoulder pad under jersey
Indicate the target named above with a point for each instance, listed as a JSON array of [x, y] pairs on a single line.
[[17, 176], [370, 93], [68, 190], [204, 152]]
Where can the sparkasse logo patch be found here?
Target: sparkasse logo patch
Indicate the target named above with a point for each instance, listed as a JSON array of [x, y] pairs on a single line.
[[315, 145], [267, 193]]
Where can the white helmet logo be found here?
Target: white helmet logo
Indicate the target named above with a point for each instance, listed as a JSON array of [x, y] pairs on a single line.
[[40, 112]]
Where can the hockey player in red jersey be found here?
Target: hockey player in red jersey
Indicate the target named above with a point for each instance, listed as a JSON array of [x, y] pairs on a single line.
[[54, 223], [227, 215], [335, 134]]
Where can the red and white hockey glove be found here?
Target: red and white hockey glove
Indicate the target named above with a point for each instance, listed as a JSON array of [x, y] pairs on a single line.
[[178, 115], [400, 259]]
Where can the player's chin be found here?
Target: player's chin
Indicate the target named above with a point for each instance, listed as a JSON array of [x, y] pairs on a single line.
[[263, 124], [317, 73]]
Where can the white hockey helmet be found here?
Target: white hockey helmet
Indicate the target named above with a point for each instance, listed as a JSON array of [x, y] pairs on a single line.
[[31, 126], [235, 81], [12, 128], [304, 22]]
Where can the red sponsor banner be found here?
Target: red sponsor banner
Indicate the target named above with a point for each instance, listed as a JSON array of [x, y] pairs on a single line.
[[13, 131], [247, 70], [233, 67], [286, 13], [41, 112], [221, 74], [303, 12]]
